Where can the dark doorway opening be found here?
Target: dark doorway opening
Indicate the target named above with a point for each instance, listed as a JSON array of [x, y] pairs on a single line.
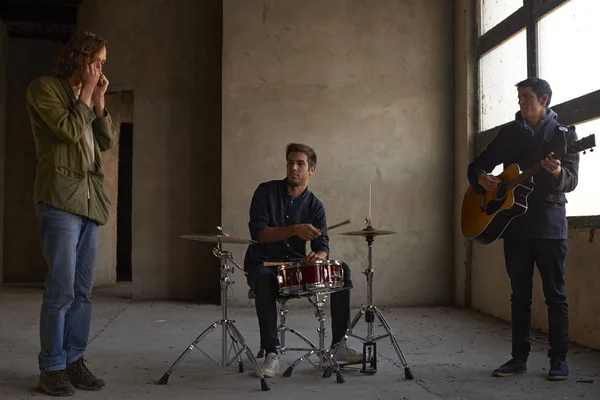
[[124, 201]]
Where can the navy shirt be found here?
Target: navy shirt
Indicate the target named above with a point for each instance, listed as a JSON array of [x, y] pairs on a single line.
[[273, 207]]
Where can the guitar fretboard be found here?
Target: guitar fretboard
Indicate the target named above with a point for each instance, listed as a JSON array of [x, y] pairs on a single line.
[[529, 172]]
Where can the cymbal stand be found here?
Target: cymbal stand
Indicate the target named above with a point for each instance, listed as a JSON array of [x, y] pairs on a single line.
[[238, 344], [370, 311]]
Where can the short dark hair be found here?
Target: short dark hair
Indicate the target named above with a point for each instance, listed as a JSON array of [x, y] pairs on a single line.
[[302, 148], [539, 86], [78, 51]]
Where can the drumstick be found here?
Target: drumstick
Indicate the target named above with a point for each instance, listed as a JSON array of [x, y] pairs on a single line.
[[278, 263], [327, 228]]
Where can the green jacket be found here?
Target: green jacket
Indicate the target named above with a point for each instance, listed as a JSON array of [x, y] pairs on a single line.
[[63, 177]]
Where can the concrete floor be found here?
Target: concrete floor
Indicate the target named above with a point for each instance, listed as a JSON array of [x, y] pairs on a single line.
[[451, 353]]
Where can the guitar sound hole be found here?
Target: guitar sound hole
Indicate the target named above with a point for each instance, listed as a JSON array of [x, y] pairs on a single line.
[[495, 204]]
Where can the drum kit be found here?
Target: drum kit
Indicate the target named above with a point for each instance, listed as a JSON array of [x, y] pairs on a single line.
[[317, 277]]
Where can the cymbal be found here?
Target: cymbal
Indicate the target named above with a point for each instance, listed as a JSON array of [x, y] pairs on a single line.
[[368, 232], [213, 238]]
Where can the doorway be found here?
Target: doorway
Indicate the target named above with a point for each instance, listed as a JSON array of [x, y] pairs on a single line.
[[124, 204]]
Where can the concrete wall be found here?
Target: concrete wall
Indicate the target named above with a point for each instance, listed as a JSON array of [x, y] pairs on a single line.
[[27, 59], [368, 84], [168, 53], [491, 287], [3, 102]]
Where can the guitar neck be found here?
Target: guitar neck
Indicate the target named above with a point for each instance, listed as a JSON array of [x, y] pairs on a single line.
[[529, 172], [524, 176]]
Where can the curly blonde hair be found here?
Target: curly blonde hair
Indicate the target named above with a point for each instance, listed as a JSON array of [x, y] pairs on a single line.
[[78, 51]]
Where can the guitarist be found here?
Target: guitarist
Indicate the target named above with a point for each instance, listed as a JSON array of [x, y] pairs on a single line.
[[539, 236]]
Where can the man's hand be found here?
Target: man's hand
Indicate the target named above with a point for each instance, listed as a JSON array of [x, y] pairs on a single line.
[[306, 231], [489, 182], [100, 87], [319, 255], [552, 165], [98, 95], [90, 74]]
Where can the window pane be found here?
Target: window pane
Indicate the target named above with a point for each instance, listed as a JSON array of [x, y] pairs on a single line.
[[585, 199], [494, 11], [499, 71], [568, 58]]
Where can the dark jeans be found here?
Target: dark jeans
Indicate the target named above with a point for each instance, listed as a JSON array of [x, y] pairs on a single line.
[[263, 281], [550, 256]]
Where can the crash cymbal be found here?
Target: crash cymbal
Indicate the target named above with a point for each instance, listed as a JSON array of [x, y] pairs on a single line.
[[368, 232], [218, 238]]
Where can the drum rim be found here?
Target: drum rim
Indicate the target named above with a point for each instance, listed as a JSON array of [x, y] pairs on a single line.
[[320, 262]]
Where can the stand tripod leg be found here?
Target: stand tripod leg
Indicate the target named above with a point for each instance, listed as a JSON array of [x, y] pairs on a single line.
[[357, 318], [290, 369], [165, 378], [326, 360], [332, 366], [407, 373], [237, 349], [236, 333]]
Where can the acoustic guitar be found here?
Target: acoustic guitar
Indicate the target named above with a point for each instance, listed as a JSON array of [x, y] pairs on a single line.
[[485, 216]]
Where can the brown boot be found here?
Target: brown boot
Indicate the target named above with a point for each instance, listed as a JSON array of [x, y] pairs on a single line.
[[82, 378], [56, 383]]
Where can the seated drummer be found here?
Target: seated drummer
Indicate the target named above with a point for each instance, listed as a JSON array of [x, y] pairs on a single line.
[[284, 215]]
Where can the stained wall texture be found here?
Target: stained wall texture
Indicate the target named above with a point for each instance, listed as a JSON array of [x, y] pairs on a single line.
[[369, 85], [23, 261], [168, 54]]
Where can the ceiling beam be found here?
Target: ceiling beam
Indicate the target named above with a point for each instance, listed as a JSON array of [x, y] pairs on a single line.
[[36, 30], [42, 13]]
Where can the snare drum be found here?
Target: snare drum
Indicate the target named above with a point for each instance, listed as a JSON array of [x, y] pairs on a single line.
[[314, 276]]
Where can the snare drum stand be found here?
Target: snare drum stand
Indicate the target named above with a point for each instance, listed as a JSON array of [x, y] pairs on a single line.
[[326, 360], [370, 311], [238, 343]]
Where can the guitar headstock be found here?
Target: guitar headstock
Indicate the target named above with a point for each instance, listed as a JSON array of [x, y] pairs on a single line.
[[588, 142]]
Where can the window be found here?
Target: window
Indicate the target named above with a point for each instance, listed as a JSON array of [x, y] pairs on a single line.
[[553, 40], [500, 70], [585, 199], [566, 41], [494, 11]]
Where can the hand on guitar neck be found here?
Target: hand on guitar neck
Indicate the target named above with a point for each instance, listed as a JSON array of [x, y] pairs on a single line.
[[552, 165], [489, 182]]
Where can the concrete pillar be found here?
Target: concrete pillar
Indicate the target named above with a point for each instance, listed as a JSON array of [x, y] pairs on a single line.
[[3, 64], [465, 115]]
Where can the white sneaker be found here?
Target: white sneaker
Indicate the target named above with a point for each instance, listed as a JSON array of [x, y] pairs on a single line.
[[271, 365], [346, 355]]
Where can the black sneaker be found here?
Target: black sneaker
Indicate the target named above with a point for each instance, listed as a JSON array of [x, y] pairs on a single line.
[[559, 370], [511, 367], [82, 378], [56, 383]]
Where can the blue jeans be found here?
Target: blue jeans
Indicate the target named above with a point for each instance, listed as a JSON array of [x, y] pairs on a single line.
[[69, 244], [550, 256]]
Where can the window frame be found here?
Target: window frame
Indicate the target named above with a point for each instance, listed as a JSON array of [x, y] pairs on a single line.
[[572, 112]]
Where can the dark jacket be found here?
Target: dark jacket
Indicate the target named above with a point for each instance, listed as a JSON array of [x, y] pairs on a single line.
[[518, 143]]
